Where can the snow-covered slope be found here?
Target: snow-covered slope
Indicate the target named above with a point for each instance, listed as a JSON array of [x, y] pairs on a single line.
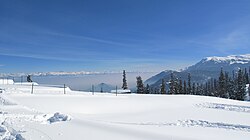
[[48, 114]]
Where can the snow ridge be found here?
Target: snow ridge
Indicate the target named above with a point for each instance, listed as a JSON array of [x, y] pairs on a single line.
[[231, 59]]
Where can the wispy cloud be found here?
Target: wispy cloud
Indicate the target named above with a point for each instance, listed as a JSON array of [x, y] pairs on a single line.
[[87, 38], [225, 42]]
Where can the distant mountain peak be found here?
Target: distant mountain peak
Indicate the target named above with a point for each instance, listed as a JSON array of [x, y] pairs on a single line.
[[205, 69], [231, 59]]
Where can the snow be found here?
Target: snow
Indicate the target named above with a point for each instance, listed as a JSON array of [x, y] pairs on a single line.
[[121, 91], [231, 59], [49, 114]]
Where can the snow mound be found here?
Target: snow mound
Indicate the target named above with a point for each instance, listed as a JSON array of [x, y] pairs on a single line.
[[57, 117]]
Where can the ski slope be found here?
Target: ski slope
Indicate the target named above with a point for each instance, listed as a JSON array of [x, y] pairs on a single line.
[[48, 114]]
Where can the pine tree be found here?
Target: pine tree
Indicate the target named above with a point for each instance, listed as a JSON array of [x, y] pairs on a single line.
[[222, 85], [124, 80], [147, 90], [206, 89], [209, 91], [211, 87], [198, 89], [248, 92], [215, 83], [140, 86], [227, 78], [240, 90], [189, 88], [184, 87], [172, 84], [156, 91], [163, 87], [180, 87], [202, 90], [193, 89], [246, 77], [231, 88]]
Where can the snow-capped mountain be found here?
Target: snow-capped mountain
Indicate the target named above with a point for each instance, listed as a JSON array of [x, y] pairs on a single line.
[[231, 59], [228, 63], [56, 73], [207, 68]]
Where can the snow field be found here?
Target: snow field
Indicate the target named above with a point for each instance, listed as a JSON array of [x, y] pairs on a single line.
[[124, 117]]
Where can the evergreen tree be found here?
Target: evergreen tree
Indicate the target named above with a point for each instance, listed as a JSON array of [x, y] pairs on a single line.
[[215, 83], [202, 90], [172, 84], [193, 89], [156, 91], [222, 85], [209, 91], [147, 90], [124, 81], [231, 88], [184, 87], [189, 88], [211, 87], [163, 87], [140, 86], [249, 92], [227, 85], [206, 89], [198, 89], [180, 87], [240, 90], [246, 77]]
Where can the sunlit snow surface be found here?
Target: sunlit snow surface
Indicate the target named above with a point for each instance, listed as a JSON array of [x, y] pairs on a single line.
[[48, 114]]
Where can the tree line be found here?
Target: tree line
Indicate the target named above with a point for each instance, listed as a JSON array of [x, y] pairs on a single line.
[[225, 86]]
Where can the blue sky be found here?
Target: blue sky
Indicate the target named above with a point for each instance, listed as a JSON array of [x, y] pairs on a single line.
[[112, 35]]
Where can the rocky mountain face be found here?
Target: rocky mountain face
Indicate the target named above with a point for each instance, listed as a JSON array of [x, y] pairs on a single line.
[[205, 69]]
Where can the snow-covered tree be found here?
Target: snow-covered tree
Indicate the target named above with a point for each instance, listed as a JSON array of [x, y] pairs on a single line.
[[240, 90], [184, 87], [189, 88], [147, 89], [180, 87], [172, 84], [124, 81], [193, 89], [222, 85], [140, 86], [246, 77], [163, 87]]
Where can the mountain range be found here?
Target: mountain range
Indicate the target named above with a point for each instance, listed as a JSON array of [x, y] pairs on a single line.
[[205, 69]]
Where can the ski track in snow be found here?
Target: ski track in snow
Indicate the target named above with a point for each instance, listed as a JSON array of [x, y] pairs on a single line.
[[226, 107], [194, 123]]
